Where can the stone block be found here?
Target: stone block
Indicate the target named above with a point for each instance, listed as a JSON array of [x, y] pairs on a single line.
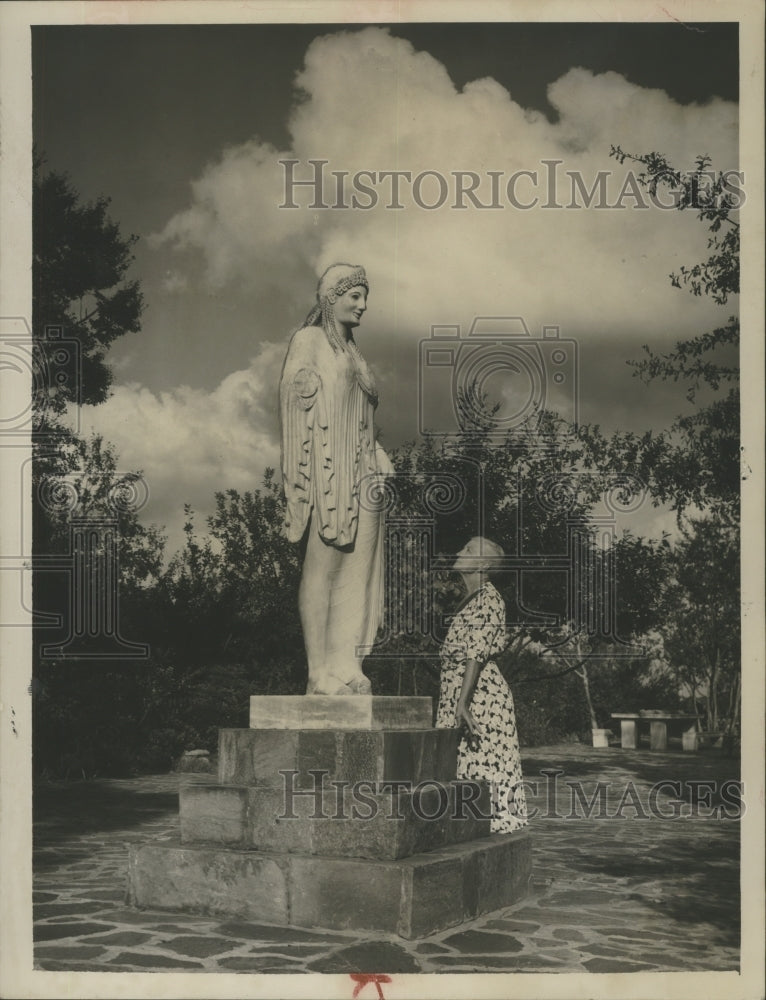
[[208, 880], [271, 826], [242, 816], [317, 750], [256, 756], [346, 894], [420, 755], [502, 876], [304, 711], [689, 740], [213, 813], [248, 756], [628, 734], [432, 896], [411, 897], [370, 821], [360, 753], [452, 813], [386, 825], [658, 735]]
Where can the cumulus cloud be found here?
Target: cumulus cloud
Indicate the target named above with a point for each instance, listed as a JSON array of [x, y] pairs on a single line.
[[589, 269], [191, 442], [174, 282], [365, 101]]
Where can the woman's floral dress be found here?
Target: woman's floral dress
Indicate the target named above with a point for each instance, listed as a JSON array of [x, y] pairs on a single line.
[[477, 632]]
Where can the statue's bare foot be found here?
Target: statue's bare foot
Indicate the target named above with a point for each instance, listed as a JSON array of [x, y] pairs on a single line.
[[329, 684], [351, 681], [359, 685]]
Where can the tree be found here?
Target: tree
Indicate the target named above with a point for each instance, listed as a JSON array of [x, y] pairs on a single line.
[[234, 596], [79, 283], [530, 493], [85, 708], [712, 197], [629, 570], [695, 463], [97, 567], [701, 627]]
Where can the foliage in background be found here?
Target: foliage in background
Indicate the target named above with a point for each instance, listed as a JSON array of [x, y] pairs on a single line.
[[79, 281], [694, 466], [221, 617]]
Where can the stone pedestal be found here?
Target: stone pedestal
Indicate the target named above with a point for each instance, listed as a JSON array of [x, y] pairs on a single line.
[[332, 712], [336, 815]]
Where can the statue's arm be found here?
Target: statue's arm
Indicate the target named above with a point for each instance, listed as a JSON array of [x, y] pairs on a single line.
[[300, 390]]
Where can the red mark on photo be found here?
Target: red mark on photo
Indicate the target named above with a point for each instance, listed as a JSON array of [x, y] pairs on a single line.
[[362, 979]]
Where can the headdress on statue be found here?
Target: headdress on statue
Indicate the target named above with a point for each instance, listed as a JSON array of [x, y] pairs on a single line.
[[336, 280]]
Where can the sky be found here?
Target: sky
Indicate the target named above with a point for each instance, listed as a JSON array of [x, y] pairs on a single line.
[[183, 127]]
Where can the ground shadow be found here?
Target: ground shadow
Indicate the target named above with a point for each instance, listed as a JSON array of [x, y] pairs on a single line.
[[63, 810], [640, 766]]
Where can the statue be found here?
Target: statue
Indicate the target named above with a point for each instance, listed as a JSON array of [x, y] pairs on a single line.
[[327, 404]]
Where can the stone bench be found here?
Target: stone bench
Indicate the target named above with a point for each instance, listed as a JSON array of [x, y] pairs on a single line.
[[634, 724]]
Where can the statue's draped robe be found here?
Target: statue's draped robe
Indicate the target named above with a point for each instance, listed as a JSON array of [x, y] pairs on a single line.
[[328, 450]]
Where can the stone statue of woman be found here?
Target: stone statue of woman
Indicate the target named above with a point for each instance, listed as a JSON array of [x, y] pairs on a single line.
[[327, 404]]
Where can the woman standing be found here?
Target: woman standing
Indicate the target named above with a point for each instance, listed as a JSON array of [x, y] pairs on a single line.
[[329, 462], [474, 694]]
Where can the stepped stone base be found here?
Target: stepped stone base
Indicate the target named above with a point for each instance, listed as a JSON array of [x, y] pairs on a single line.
[[360, 822], [411, 897], [256, 756], [319, 711]]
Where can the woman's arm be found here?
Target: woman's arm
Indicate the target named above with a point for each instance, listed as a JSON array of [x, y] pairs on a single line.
[[464, 715]]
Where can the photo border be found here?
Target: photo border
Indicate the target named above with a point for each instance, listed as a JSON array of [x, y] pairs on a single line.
[[18, 979]]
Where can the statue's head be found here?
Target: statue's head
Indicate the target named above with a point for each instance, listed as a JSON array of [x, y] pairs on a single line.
[[342, 294], [338, 279], [342, 299]]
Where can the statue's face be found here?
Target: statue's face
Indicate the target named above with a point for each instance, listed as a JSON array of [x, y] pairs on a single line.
[[351, 305]]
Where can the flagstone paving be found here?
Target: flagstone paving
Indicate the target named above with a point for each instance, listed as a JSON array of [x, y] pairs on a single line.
[[630, 887]]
